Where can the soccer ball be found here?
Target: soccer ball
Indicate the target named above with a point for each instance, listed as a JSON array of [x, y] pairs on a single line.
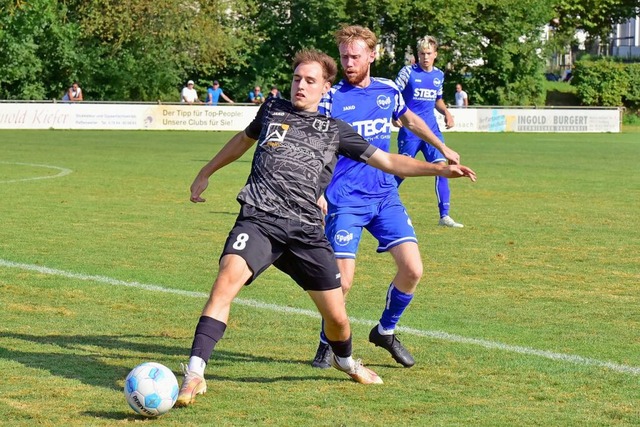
[[151, 389]]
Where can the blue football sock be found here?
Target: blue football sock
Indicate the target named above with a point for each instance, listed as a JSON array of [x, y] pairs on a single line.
[[397, 302], [443, 194], [323, 337]]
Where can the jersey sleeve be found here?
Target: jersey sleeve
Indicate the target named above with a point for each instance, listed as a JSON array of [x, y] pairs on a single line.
[[254, 129], [326, 103], [403, 77], [400, 106], [352, 145]]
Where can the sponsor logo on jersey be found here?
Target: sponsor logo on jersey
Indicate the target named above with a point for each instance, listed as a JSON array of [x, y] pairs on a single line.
[[369, 128], [321, 125], [278, 113], [418, 80], [348, 107], [275, 134], [429, 94], [342, 237], [383, 101]]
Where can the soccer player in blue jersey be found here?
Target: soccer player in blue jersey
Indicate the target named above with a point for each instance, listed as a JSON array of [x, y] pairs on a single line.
[[421, 86], [360, 196]]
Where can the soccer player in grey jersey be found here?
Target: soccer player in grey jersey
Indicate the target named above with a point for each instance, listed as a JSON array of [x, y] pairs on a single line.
[[280, 222]]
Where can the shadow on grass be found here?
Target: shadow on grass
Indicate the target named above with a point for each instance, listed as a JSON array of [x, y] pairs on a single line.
[[561, 99], [115, 415], [79, 361], [234, 213]]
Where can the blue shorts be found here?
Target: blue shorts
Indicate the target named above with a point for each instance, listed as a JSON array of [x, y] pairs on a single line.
[[411, 147], [387, 221]]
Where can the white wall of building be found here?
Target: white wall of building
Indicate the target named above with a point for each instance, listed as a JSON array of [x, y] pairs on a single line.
[[626, 39]]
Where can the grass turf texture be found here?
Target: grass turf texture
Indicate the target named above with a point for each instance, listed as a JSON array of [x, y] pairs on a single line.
[[547, 261]]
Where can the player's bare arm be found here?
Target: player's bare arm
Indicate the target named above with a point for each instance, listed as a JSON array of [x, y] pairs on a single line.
[[232, 151], [441, 108], [416, 125], [405, 166], [322, 204]]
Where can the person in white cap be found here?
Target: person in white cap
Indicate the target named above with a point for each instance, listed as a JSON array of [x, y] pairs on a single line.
[[189, 94]]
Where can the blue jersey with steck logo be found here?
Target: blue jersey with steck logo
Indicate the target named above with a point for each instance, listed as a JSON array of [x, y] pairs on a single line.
[[369, 111], [420, 90]]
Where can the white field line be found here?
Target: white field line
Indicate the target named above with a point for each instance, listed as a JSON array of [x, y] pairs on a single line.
[[63, 172], [444, 336]]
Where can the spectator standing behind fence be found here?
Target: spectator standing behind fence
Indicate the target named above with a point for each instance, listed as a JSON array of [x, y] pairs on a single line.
[[189, 94], [74, 93], [462, 99], [214, 92], [274, 93], [255, 96]]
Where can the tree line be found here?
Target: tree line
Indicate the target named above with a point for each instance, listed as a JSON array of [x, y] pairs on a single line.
[[145, 50]]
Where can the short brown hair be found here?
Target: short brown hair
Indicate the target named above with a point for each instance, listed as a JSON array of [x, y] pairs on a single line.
[[328, 64], [351, 33]]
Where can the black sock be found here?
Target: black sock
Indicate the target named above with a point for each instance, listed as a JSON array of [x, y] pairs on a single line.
[[341, 348], [208, 332]]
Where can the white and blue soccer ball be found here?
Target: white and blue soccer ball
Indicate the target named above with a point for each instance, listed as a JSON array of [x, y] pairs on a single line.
[[151, 389]]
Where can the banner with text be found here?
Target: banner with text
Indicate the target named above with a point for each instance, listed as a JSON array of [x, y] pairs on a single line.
[[125, 116], [533, 120], [235, 118]]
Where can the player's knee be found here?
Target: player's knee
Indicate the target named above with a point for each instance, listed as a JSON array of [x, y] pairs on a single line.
[[413, 273], [336, 324]]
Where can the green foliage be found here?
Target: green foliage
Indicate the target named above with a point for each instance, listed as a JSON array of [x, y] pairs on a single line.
[[140, 50], [511, 50], [501, 35], [38, 50], [284, 27], [596, 17], [601, 83], [144, 50], [632, 95], [631, 118]]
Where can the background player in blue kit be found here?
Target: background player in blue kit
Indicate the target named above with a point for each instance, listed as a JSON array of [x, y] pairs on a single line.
[[280, 222], [421, 86], [360, 196]]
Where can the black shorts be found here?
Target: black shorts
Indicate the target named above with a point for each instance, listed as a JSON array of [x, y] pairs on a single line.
[[300, 250]]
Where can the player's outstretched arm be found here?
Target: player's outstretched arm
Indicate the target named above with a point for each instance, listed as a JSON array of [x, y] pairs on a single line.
[[232, 151], [405, 166], [416, 125]]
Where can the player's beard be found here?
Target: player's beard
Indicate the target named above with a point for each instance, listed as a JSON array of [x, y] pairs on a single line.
[[357, 78]]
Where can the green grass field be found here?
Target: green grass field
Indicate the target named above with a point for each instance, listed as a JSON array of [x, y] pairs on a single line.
[[528, 316]]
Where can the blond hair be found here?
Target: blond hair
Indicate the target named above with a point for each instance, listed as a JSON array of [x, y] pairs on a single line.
[[348, 34], [328, 64], [427, 42]]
